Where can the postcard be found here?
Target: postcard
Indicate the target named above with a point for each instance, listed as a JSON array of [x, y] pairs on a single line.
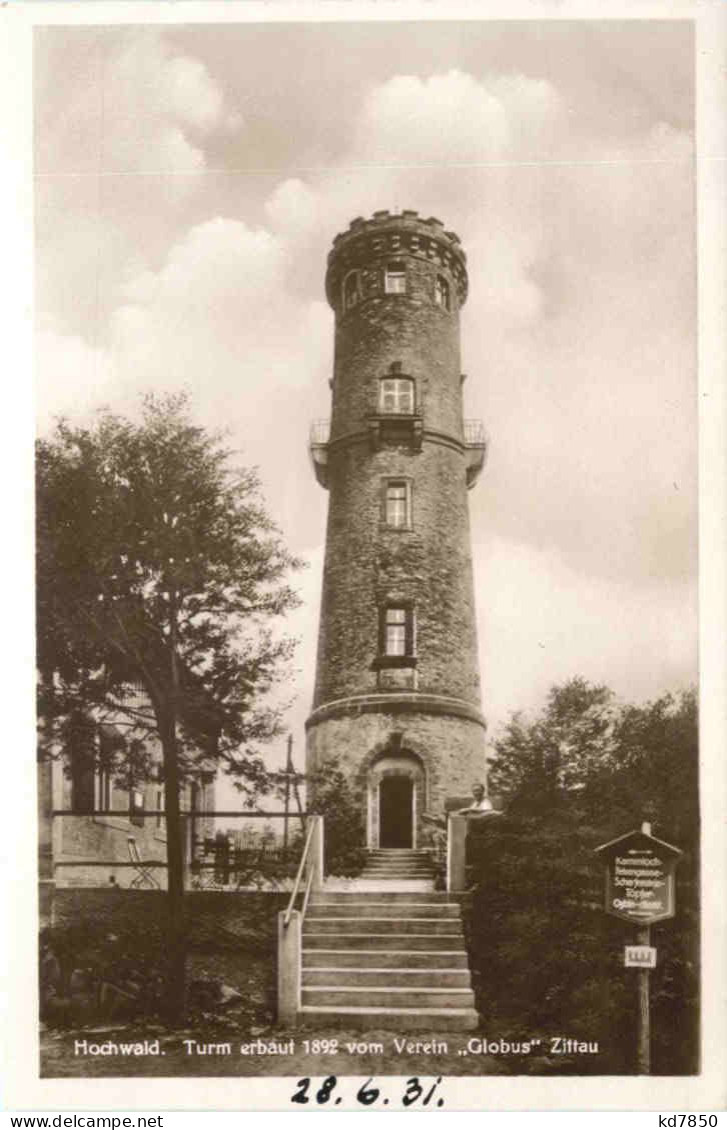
[[379, 690]]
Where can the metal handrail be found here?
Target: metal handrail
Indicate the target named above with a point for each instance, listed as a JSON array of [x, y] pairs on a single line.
[[306, 896], [301, 865], [474, 433], [320, 433]]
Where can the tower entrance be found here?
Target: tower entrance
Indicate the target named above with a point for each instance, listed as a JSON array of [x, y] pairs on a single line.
[[396, 815], [396, 799]]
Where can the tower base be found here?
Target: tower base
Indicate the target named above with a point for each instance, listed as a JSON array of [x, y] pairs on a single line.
[[404, 757]]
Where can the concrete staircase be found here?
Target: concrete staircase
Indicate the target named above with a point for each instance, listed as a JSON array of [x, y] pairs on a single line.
[[386, 958], [397, 863]]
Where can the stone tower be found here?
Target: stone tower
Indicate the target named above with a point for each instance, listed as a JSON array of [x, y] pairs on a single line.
[[397, 695]]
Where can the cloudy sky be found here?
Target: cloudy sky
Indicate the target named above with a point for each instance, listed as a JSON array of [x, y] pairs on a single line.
[[189, 181]]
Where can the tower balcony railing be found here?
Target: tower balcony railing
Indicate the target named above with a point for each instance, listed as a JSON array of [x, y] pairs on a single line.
[[475, 440], [474, 433], [320, 432]]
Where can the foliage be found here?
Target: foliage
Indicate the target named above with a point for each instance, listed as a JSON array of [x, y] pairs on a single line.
[[108, 961], [345, 834], [158, 574], [546, 956], [92, 955], [158, 571], [540, 760]]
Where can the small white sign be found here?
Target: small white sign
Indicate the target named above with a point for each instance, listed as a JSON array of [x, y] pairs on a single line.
[[640, 957]]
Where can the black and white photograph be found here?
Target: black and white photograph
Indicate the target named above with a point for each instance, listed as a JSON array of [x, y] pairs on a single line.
[[366, 554]]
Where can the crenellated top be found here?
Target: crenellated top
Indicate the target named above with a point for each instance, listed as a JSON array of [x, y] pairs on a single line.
[[387, 235]]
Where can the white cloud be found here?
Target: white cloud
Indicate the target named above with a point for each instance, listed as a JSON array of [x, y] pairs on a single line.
[[216, 318], [452, 118], [134, 106], [540, 622], [156, 103], [189, 94], [293, 207], [72, 377], [219, 268]]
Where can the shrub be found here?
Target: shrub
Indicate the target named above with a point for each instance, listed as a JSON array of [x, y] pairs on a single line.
[[344, 834]]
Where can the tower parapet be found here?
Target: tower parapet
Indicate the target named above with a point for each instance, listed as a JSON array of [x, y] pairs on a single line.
[[389, 235]]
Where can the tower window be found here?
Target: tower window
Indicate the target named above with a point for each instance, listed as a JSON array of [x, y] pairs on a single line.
[[397, 503], [441, 292], [105, 789], [351, 293], [397, 631], [396, 395], [395, 278], [395, 641], [82, 754], [160, 807], [136, 807]]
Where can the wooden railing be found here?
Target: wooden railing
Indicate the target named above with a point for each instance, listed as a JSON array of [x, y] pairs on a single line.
[[309, 878]]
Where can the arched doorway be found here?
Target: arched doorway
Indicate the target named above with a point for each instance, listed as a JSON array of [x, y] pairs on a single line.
[[396, 812], [396, 792]]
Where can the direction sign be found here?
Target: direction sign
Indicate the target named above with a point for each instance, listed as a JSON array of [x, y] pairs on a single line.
[[639, 877], [640, 957]]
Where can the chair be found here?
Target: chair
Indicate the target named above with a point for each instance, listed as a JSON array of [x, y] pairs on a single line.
[[143, 876]]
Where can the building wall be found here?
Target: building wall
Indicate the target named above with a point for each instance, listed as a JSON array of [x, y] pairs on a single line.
[[88, 850]]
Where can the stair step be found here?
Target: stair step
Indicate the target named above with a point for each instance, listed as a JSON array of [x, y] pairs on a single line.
[[383, 976], [342, 897], [396, 1019], [395, 876], [367, 924], [373, 886], [404, 942], [423, 866], [400, 959], [397, 873], [398, 853], [398, 865], [329, 996], [365, 909], [399, 860], [403, 866]]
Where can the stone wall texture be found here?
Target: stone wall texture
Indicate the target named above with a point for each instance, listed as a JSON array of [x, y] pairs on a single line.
[[450, 748], [93, 850], [145, 910]]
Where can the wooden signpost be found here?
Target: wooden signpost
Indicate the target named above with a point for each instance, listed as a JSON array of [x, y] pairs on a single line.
[[640, 888]]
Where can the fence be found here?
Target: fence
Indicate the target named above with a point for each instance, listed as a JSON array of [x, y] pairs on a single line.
[[223, 849]]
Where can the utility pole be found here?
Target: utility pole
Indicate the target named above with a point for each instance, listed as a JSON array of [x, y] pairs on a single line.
[[288, 772], [640, 888], [643, 1044]]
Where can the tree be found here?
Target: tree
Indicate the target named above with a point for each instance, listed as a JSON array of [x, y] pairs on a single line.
[[545, 956], [538, 762], [158, 569]]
